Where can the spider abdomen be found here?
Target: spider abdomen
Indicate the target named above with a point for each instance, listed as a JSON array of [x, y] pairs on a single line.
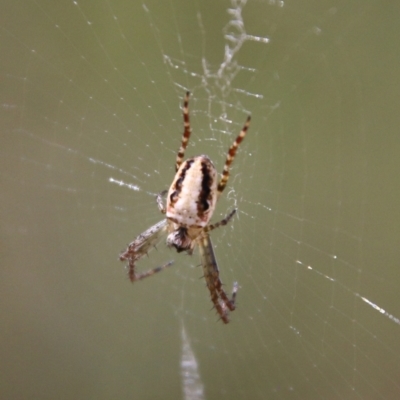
[[192, 196]]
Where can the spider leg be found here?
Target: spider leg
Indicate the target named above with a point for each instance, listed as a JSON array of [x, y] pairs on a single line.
[[137, 277], [231, 156], [225, 303], [160, 203], [223, 222], [186, 133], [211, 274], [141, 246]]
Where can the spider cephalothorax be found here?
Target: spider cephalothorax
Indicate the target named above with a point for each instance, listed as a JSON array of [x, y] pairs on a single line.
[[180, 239], [191, 201]]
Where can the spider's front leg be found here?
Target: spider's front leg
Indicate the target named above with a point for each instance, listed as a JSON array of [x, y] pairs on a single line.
[[138, 277], [211, 274], [141, 246]]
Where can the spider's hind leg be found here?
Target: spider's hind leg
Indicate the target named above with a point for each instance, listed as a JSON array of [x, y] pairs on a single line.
[[231, 156], [186, 133]]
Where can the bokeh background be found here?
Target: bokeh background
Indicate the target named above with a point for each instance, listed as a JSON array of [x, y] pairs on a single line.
[[91, 120]]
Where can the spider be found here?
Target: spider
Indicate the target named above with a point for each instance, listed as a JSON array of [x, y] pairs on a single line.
[[191, 202]]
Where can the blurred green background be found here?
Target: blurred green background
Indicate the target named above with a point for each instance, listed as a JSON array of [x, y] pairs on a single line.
[[91, 95]]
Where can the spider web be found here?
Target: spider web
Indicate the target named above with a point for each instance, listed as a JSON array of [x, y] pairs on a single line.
[[91, 123]]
